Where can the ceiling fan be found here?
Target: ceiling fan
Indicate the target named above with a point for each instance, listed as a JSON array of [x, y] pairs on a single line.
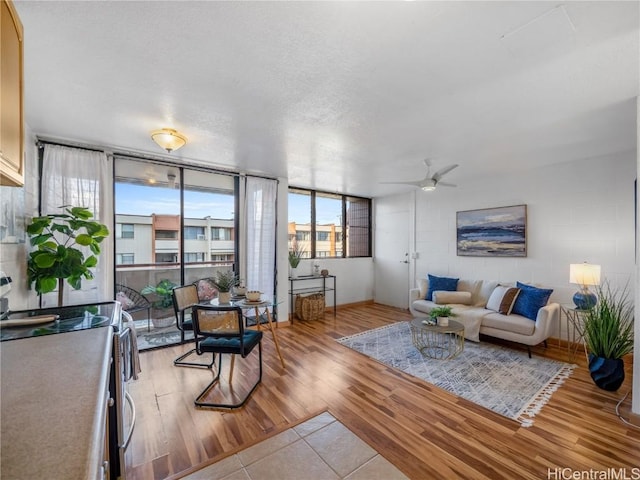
[[429, 182]]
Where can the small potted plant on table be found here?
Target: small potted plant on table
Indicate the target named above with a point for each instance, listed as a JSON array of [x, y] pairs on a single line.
[[224, 281], [441, 314]]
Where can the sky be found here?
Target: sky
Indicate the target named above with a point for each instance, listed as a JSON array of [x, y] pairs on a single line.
[[134, 199], [144, 200]]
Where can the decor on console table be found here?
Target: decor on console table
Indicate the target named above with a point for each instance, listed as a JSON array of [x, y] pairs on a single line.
[[492, 232], [59, 240], [584, 274], [295, 255], [608, 333]]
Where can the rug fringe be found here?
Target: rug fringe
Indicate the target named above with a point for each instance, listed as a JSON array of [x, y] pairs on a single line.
[[525, 416]]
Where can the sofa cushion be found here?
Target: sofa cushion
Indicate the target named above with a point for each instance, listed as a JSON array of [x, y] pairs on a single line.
[[441, 283], [510, 323], [443, 297], [502, 299], [530, 300], [484, 292]]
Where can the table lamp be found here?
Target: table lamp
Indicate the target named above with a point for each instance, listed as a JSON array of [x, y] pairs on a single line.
[[584, 274]]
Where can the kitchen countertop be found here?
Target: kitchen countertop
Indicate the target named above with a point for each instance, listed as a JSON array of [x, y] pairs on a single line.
[[53, 404]]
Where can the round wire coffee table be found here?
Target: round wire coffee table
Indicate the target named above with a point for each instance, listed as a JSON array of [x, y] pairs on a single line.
[[435, 341]]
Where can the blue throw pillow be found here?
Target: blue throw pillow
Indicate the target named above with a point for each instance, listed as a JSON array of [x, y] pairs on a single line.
[[441, 283], [530, 300]]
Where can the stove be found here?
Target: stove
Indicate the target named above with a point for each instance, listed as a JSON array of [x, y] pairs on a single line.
[[49, 321]]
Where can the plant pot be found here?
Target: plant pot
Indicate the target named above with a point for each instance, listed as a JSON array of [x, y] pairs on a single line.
[[293, 272], [162, 317], [224, 297], [443, 321], [606, 373]]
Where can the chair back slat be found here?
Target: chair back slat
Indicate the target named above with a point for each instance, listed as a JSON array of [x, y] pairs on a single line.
[[218, 321], [185, 297]]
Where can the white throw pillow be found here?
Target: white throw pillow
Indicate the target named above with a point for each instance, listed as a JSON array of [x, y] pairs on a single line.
[[502, 299], [442, 297]]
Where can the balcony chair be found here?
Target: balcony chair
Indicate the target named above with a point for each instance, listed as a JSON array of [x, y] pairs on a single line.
[[220, 329], [184, 298], [133, 301]]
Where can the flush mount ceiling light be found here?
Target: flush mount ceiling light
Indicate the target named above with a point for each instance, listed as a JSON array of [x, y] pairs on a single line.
[[169, 139]]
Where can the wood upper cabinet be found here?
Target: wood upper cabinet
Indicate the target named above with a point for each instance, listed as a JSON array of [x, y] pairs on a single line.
[[11, 97]]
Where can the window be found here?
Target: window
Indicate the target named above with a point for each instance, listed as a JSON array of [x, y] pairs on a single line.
[[220, 233], [193, 233], [303, 236], [329, 225], [124, 259], [166, 258], [166, 234], [126, 230], [193, 257]]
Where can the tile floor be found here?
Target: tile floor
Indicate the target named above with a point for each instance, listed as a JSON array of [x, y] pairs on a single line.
[[321, 448]]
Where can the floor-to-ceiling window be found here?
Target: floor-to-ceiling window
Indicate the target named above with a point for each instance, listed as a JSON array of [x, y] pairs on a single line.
[[173, 226]]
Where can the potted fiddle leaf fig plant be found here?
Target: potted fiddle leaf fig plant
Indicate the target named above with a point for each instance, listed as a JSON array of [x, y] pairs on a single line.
[[58, 256], [608, 333]]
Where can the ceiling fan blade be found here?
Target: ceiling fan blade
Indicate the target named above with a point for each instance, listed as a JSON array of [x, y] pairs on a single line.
[[440, 173], [445, 184], [415, 184]]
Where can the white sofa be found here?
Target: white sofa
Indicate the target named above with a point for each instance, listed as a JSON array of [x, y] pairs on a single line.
[[477, 319]]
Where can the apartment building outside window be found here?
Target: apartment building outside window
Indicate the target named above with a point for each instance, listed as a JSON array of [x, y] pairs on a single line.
[[166, 234], [194, 233], [220, 233], [329, 225], [192, 257], [127, 230], [125, 259]]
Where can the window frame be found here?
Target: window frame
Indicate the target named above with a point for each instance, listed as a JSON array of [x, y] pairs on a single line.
[[344, 198]]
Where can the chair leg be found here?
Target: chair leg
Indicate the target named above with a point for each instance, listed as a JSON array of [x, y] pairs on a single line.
[[233, 362], [199, 400], [178, 362], [529, 350]]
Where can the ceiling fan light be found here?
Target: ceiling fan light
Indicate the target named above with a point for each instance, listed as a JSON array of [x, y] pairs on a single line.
[[169, 139], [429, 188]]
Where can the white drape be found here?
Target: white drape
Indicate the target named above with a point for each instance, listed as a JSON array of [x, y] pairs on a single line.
[[81, 178], [259, 205]]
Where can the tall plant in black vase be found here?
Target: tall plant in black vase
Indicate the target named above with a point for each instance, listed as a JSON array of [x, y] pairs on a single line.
[[608, 333]]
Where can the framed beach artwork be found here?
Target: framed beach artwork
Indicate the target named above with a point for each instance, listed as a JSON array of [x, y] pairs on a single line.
[[492, 232]]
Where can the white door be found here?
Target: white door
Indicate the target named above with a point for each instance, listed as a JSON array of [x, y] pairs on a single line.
[[392, 251]]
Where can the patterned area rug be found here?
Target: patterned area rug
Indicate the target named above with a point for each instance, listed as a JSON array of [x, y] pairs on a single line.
[[501, 379]]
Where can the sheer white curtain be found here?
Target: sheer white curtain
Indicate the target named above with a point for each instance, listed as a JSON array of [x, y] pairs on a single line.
[[81, 178], [259, 246]]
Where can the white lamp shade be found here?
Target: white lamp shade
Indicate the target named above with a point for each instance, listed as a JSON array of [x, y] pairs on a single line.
[[169, 139], [584, 274]]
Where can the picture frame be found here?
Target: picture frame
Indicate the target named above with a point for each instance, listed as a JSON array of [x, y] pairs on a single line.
[[492, 232]]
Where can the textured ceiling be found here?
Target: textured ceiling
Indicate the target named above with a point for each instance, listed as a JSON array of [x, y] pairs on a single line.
[[338, 96]]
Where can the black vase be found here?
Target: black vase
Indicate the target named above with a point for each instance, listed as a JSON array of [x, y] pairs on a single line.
[[607, 373]]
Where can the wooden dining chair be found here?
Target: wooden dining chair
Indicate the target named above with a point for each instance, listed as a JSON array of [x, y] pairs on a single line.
[[220, 330], [184, 299]]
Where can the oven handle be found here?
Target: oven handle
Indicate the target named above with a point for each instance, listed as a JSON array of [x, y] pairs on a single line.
[[133, 420]]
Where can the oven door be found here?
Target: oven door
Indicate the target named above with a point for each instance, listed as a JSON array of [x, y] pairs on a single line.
[[123, 413]]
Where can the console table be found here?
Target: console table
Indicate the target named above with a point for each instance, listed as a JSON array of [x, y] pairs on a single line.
[[322, 284]]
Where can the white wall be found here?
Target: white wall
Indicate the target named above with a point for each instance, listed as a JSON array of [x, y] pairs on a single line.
[[13, 256], [576, 211]]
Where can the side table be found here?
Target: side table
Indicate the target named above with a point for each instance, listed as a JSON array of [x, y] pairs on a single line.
[[575, 330]]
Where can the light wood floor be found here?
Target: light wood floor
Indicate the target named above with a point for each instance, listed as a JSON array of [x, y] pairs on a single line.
[[426, 432]]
